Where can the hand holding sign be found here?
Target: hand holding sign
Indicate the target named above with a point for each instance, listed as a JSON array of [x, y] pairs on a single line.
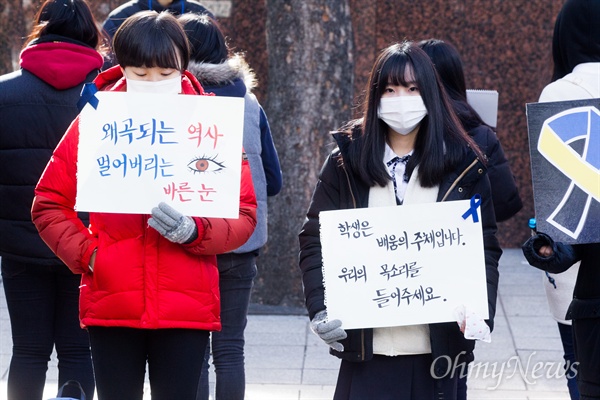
[[472, 325], [173, 225], [330, 332]]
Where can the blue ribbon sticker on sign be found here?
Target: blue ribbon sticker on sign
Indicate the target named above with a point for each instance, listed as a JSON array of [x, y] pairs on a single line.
[[475, 203]]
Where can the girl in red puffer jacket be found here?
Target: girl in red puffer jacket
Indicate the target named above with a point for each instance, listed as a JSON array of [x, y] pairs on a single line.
[[149, 291]]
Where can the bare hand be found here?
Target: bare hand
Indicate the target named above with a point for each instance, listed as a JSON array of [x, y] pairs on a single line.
[[463, 326], [545, 251]]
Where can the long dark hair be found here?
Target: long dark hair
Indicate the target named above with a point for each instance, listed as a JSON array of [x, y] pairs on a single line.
[[449, 67], [71, 19], [441, 140], [151, 39]]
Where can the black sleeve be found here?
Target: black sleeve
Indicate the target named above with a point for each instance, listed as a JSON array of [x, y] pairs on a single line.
[[326, 196], [563, 256], [505, 193], [491, 247]]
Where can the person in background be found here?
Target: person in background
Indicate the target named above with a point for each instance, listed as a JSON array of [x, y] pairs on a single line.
[[408, 147], [576, 55], [149, 290], [116, 17], [448, 64], [505, 194], [37, 104], [226, 74]]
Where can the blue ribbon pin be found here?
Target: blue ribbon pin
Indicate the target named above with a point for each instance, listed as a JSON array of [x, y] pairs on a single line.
[[475, 203], [88, 93]]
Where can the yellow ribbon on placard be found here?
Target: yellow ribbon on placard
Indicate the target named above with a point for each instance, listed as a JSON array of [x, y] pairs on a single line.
[[569, 162]]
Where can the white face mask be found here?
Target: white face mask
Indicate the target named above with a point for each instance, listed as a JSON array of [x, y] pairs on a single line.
[[166, 86], [402, 113]]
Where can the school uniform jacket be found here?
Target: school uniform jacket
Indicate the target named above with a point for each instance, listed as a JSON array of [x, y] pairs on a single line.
[[337, 188], [140, 279]]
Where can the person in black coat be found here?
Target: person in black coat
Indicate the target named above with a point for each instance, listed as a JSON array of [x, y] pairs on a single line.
[[406, 114], [37, 104], [505, 193], [576, 55]]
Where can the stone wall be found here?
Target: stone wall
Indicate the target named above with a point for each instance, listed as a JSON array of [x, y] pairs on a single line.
[[505, 45]]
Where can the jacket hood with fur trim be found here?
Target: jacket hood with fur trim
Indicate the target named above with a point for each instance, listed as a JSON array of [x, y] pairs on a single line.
[[225, 73]]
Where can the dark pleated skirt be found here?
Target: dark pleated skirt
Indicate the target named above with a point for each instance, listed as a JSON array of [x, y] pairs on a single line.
[[391, 378]]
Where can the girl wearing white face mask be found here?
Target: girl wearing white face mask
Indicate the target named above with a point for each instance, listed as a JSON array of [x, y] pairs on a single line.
[[408, 147], [149, 290], [153, 80]]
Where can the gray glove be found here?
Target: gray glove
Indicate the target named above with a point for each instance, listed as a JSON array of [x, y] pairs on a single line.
[[329, 331], [173, 225]]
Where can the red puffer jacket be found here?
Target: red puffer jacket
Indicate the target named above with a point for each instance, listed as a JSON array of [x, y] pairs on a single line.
[[140, 279]]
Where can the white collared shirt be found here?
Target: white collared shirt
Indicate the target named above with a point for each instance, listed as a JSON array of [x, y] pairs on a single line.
[[398, 172]]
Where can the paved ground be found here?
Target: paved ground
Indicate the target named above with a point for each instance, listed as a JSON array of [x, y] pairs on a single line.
[[286, 361]]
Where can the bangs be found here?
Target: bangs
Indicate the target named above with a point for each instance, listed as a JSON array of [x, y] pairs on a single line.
[[156, 51], [397, 70]]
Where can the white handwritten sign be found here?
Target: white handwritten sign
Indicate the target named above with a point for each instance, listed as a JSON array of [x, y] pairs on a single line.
[[136, 150], [392, 266]]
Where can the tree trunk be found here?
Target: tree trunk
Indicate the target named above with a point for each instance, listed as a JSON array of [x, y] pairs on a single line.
[[12, 34], [310, 92]]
